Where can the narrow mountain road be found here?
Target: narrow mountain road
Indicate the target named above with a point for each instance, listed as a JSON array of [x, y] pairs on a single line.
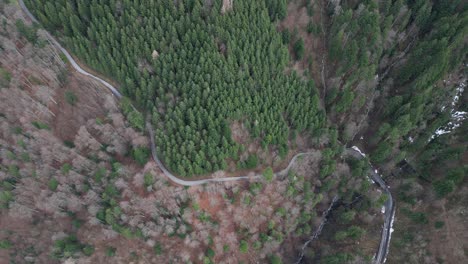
[[69, 57], [382, 253], [174, 178], [115, 92], [389, 205]]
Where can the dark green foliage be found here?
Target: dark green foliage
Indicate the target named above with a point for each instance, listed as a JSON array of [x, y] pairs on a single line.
[[255, 188], [148, 179], [40, 125], [27, 32], [243, 246], [268, 174], [70, 97], [13, 170], [439, 49], [344, 103], [111, 191], [70, 247], [358, 167], [310, 7], [381, 201], [17, 130], [310, 27], [251, 162], [5, 244], [110, 251], [210, 253], [192, 90], [457, 175], [354, 33], [441, 161], [443, 187], [347, 216], [340, 235], [286, 36], [354, 232], [277, 9], [134, 117], [77, 223], [226, 248], [69, 143], [416, 217], [53, 184], [100, 173], [66, 168], [328, 163], [5, 78], [275, 259], [158, 249], [338, 258], [313, 28], [382, 152], [331, 96], [5, 198], [136, 120], [141, 155], [299, 49], [439, 224], [355, 47], [88, 250], [419, 217]]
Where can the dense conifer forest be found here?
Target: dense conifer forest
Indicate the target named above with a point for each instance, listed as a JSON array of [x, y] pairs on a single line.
[[193, 70], [234, 87]]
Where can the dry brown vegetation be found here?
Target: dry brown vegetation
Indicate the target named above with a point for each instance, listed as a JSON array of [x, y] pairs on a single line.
[[66, 162], [67, 168], [296, 22], [439, 236]]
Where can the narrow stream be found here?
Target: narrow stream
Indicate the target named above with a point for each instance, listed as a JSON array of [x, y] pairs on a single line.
[[319, 229]]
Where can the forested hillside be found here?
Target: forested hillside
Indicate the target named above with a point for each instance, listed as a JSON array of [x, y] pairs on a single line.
[[386, 63], [76, 185], [234, 87], [418, 96], [433, 198], [396, 78], [194, 71]]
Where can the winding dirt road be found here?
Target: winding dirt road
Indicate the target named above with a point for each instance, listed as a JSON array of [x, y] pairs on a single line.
[[174, 178], [69, 57], [389, 205], [115, 92]]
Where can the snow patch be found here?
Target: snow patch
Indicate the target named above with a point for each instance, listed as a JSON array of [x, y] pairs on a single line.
[[358, 150], [456, 116]]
